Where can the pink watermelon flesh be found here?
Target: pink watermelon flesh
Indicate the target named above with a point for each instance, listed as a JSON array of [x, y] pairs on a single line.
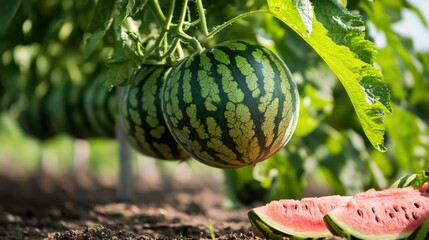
[[388, 214], [300, 217]]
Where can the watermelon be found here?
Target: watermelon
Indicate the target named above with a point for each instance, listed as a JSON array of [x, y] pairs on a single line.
[[232, 105], [296, 219], [142, 119], [414, 180], [101, 107], [67, 110], [34, 116], [388, 214]]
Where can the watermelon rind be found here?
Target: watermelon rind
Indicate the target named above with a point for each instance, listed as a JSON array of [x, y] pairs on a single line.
[[263, 229], [101, 107], [414, 180], [422, 232], [339, 228], [271, 230], [295, 219]]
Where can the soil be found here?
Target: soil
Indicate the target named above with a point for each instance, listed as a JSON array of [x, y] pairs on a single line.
[[46, 206], [184, 204]]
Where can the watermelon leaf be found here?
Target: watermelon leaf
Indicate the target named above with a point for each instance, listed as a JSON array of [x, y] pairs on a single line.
[[123, 63], [128, 50], [100, 23], [351, 60], [306, 12]]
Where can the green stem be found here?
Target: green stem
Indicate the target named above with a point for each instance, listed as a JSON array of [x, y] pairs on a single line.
[[167, 25], [231, 21], [182, 14], [180, 51], [202, 17], [170, 14], [182, 34], [154, 5], [173, 47]]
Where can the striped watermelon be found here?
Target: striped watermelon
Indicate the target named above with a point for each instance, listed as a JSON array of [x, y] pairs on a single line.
[[67, 110], [85, 110], [231, 106], [34, 116], [101, 107], [142, 119], [415, 180]]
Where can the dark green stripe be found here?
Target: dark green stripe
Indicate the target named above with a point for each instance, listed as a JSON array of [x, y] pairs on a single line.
[[150, 140], [91, 105], [109, 112], [336, 230], [147, 76], [266, 231], [68, 110], [143, 73], [280, 95], [257, 225], [166, 136], [404, 181], [153, 76], [179, 69], [46, 118], [277, 94], [57, 108], [100, 109], [221, 108], [332, 227], [422, 232], [249, 101], [261, 227], [88, 130], [252, 103], [196, 94]]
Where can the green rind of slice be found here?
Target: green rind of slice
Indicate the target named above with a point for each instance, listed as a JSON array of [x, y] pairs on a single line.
[[265, 230]]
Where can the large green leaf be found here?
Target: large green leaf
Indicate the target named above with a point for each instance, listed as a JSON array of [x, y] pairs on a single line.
[[101, 21], [123, 63], [127, 56], [362, 81]]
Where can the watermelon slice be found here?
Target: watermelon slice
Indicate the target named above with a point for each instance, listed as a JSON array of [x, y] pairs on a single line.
[[296, 219], [388, 214]]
